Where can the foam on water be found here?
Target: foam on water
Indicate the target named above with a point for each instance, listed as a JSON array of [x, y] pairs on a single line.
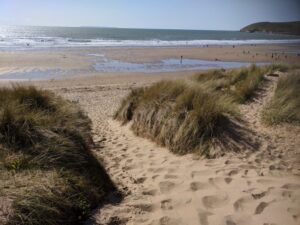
[[40, 43]]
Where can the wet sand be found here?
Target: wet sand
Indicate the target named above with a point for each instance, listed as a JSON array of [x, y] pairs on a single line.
[[64, 63]]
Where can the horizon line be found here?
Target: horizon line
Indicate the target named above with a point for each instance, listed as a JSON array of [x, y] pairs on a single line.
[[111, 27]]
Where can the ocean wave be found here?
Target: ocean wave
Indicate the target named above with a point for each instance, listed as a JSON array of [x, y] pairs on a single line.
[[80, 40], [46, 42]]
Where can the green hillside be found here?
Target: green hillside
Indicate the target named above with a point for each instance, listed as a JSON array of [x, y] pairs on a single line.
[[291, 28]]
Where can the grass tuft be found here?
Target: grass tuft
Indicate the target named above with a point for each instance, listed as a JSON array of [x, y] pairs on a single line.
[[45, 159], [178, 115], [285, 105], [240, 84]]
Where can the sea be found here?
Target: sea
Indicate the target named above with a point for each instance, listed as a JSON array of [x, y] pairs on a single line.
[[39, 37]]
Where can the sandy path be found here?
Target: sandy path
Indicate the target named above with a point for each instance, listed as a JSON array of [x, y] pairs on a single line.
[[162, 188], [169, 189]]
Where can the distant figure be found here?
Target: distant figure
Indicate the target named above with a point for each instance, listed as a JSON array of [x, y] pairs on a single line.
[[27, 44], [181, 58]]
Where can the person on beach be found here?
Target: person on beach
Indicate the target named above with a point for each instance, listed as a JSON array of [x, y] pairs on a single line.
[[181, 58]]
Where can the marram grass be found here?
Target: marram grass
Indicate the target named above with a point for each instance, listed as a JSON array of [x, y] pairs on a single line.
[[177, 115], [285, 104], [48, 174], [193, 115]]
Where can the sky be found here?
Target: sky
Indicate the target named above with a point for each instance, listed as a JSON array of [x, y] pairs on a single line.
[[165, 14]]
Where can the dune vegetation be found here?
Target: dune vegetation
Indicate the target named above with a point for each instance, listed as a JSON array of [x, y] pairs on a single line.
[[177, 115], [239, 84], [48, 174], [285, 105], [193, 115]]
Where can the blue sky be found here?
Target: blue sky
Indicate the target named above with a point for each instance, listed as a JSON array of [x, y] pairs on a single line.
[[177, 14]]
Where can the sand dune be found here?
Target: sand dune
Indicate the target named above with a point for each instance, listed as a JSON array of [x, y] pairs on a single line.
[[261, 187]]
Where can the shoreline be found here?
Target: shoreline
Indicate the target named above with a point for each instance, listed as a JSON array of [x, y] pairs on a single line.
[[108, 47], [70, 63], [40, 43]]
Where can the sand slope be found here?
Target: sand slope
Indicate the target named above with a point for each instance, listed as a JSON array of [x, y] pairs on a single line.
[[249, 188]]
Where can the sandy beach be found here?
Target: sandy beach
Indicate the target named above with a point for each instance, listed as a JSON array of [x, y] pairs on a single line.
[[64, 63], [253, 187]]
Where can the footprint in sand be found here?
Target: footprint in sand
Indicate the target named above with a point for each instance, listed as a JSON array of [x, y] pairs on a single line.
[[166, 204], [169, 221], [203, 216], [233, 172], [126, 168], [228, 180], [259, 195], [172, 170], [176, 162], [150, 192], [151, 156], [144, 207], [230, 222], [195, 186], [166, 186], [140, 180], [291, 186], [124, 149], [171, 176], [154, 177], [200, 173], [261, 207], [287, 194], [139, 155], [215, 201], [295, 213], [266, 181], [158, 170], [217, 182], [239, 205]]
